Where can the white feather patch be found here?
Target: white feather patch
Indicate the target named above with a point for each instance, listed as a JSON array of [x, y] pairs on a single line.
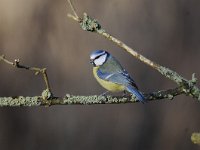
[[101, 60]]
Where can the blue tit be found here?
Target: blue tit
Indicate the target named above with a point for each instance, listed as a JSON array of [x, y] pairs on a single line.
[[111, 75]]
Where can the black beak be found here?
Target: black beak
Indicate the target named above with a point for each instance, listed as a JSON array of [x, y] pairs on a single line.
[[92, 62]]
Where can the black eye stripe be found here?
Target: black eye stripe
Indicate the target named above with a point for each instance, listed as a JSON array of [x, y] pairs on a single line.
[[100, 55]]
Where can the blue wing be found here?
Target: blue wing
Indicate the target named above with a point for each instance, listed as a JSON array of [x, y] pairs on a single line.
[[122, 78]]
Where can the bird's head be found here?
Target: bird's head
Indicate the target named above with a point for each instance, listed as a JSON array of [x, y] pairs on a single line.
[[98, 57]]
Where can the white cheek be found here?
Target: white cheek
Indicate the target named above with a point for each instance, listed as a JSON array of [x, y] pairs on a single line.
[[99, 61]]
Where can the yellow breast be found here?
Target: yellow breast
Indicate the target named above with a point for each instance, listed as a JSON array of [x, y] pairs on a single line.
[[110, 86]]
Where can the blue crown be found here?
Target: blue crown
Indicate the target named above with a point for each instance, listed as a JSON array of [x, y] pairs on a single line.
[[97, 53]]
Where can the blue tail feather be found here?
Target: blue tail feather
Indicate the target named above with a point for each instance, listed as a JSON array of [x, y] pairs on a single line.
[[135, 92]]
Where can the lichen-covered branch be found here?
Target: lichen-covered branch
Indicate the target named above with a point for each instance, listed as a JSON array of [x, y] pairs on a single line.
[[84, 100], [89, 24]]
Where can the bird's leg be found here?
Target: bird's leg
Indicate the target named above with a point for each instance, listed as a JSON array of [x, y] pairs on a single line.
[[125, 93], [105, 93]]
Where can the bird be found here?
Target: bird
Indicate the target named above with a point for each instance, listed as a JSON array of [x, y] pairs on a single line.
[[111, 75]]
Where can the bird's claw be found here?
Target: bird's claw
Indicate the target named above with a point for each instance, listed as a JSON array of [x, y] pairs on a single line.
[[105, 93]]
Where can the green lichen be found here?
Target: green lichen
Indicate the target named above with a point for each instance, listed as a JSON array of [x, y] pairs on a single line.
[[86, 100], [195, 138], [195, 92], [171, 75], [194, 79], [19, 101], [170, 96], [46, 94], [33, 101], [94, 99], [89, 24], [133, 98], [188, 86]]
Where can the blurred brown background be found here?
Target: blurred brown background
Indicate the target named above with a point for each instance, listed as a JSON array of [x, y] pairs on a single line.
[[40, 34]]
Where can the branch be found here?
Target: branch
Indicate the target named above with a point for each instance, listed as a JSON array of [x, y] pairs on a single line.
[[37, 71], [89, 24], [47, 98], [84, 100]]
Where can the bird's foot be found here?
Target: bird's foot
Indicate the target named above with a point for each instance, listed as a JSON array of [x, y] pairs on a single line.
[[125, 94], [105, 93]]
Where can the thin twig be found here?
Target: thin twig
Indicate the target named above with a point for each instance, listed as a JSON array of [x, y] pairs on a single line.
[[73, 8], [17, 64], [2, 57], [75, 16]]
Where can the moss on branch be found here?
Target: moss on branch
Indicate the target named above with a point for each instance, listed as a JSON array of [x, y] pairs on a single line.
[[195, 138]]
